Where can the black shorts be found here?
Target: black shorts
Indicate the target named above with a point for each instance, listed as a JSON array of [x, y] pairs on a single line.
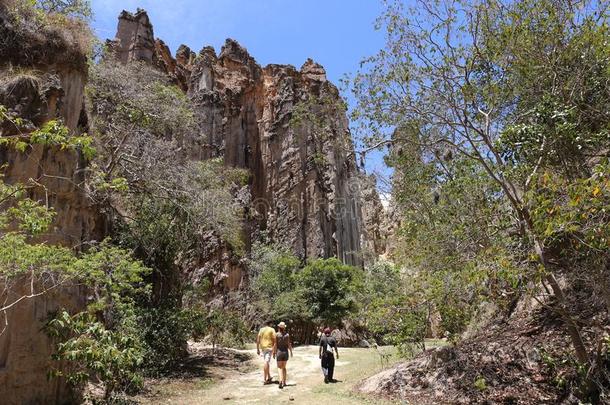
[[281, 355], [328, 360]]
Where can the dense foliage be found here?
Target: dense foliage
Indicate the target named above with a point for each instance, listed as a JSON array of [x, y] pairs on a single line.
[[144, 131], [497, 121], [496, 115], [99, 341], [321, 292], [164, 206]]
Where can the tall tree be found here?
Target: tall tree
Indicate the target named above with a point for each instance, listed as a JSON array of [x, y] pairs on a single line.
[[517, 89]]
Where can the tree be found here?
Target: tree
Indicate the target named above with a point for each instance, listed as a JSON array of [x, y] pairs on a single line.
[[42, 267], [163, 204], [325, 291], [71, 8], [104, 340], [466, 77], [101, 340], [274, 290], [329, 289]]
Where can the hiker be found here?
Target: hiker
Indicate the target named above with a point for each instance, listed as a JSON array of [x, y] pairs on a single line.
[[327, 343], [320, 333], [265, 342], [280, 351]]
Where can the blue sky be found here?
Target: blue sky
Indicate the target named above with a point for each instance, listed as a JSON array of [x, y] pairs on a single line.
[[335, 33]]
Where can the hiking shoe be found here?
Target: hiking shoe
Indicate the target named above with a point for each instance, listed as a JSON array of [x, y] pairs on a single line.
[[325, 380], [281, 385]]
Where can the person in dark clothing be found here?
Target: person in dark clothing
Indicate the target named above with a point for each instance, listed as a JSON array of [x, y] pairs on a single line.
[[327, 344], [282, 346]]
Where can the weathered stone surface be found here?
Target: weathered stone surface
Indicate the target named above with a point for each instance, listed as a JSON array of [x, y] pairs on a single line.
[[59, 175], [374, 219], [177, 69], [43, 80], [305, 187], [244, 114], [25, 351], [134, 40]]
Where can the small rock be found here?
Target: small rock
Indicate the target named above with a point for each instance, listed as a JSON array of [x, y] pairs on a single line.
[[364, 343], [291, 398]]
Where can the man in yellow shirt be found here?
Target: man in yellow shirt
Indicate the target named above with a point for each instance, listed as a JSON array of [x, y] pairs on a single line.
[[265, 341]]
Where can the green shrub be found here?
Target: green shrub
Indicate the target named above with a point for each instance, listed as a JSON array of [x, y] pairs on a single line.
[[226, 329], [102, 341], [165, 330], [399, 320], [93, 351], [480, 384], [324, 291], [329, 289]]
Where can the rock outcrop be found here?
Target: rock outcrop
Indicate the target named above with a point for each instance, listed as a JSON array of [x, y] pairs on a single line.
[[304, 180], [285, 125], [501, 364], [300, 180], [374, 220], [42, 80], [134, 38]]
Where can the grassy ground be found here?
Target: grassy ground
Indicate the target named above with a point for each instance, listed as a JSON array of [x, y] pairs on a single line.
[[236, 378]]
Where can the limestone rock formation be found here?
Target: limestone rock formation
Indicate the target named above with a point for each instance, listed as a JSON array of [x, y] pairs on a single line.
[[374, 219], [305, 183], [285, 125], [25, 351], [300, 180], [42, 77], [134, 38]]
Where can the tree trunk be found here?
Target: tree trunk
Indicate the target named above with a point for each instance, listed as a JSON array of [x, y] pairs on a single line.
[[602, 281], [572, 328]]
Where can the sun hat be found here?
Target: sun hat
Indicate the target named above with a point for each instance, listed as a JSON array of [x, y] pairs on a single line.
[[281, 325]]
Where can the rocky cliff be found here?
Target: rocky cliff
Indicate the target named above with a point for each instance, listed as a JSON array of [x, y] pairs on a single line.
[[285, 125], [304, 180], [42, 77], [374, 219]]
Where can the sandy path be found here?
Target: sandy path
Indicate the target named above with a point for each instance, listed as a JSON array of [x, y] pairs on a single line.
[[304, 373], [305, 383]]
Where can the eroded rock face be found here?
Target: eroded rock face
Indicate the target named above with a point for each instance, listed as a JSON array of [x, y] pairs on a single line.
[[42, 80], [134, 39], [374, 219], [305, 188], [59, 175], [25, 351], [302, 179]]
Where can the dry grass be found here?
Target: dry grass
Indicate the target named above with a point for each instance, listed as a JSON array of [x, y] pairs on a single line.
[[30, 37], [19, 72]]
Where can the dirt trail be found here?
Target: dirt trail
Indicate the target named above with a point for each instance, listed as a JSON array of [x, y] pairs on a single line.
[[305, 383]]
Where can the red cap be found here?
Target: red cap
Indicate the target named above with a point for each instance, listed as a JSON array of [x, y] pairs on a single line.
[[327, 331]]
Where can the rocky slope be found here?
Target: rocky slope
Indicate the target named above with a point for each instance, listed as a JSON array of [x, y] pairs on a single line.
[[519, 358]]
